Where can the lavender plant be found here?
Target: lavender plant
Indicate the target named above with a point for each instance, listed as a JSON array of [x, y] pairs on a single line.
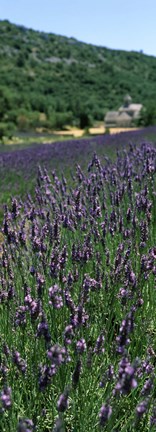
[[77, 300]]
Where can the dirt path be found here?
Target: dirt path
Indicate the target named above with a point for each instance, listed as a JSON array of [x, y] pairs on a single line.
[[93, 131]]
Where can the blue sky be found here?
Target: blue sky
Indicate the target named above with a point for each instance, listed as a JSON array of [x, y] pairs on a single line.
[[118, 24]]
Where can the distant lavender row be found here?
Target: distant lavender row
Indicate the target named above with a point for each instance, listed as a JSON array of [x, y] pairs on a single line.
[[78, 299], [66, 152]]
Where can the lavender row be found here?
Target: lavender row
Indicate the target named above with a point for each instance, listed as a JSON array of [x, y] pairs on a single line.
[[66, 152]]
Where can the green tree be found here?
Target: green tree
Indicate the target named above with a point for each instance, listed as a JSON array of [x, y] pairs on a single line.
[[6, 130], [148, 115], [20, 61], [23, 121], [85, 120]]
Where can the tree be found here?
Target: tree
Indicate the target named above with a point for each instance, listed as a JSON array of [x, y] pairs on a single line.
[[85, 120], [6, 130], [20, 61], [148, 115]]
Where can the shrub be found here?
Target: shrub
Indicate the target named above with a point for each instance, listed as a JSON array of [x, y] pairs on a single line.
[[6, 130]]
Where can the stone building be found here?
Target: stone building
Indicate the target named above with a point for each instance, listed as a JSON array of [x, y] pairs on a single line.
[[125, 116], [111, 118]]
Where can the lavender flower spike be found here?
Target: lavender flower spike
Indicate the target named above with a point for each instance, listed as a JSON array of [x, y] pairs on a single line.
[[5, 398], [62, 403], [25, 425], [104, 414]]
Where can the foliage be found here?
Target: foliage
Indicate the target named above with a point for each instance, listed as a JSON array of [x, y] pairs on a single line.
[[55, 75], [6, 130], [107, 131], [148, 115], [85, 120]]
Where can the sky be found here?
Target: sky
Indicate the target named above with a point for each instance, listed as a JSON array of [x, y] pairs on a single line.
[[119, 24]]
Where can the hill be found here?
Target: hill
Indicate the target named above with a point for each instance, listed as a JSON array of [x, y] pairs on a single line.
[[51, 80]]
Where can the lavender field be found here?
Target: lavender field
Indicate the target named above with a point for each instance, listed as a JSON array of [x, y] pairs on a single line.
[[18, 165], [77, 286]]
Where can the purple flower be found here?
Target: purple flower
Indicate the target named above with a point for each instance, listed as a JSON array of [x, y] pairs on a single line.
[[3, 370], [104, 414], [145, 367], [57, 355], [20, 316], [99, 345], [79, 317], [132, 279], [35, 309], [81, 346], [89, 358], [25, 425], [124, 295], [15, 211], [125, 329], [43, 330], [5, 398], [69, 302], [32, 270], [6, 350], [127, 381], [153, 415], [142, 408], [58, 427], [68, 334], [76, 373], [55, 297], [40, 284], [45, 375], [148, 386], [19, 362], [108, 376], [62, 403]]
